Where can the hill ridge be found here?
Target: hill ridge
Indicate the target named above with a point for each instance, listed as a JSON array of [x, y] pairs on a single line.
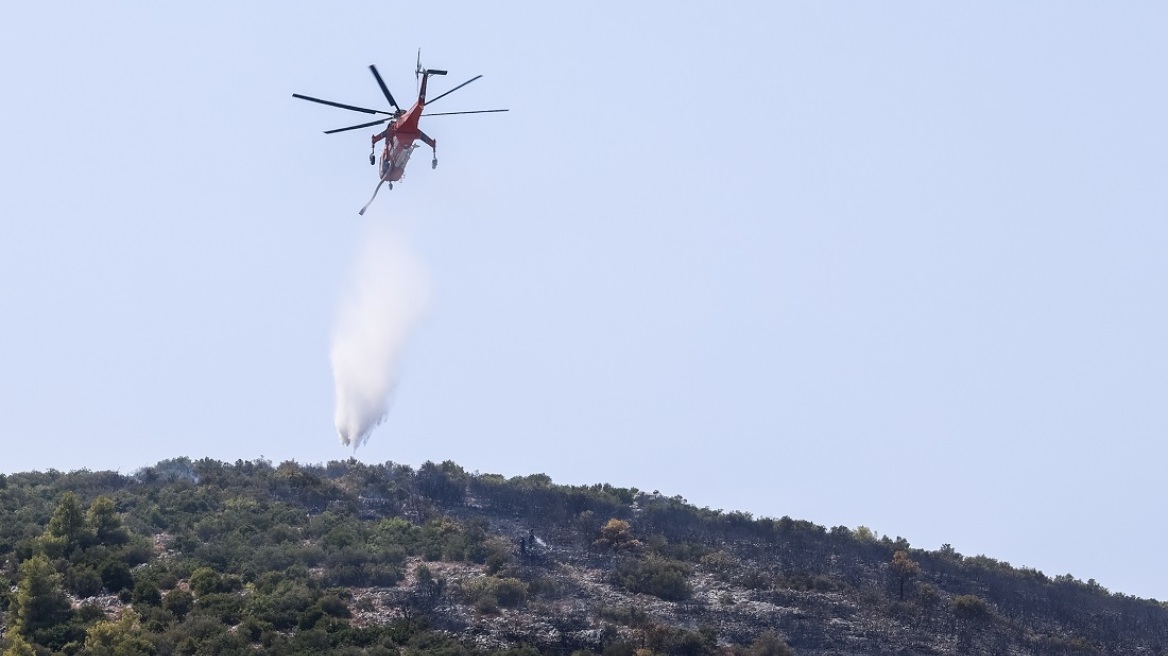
[[204, 556]]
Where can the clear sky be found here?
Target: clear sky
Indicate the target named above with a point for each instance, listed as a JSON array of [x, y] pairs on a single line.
[[896, 265]]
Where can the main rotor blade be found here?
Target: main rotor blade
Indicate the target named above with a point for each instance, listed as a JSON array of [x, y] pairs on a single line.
[[337, 104], [477, 111], [453, 90], [356, 127], [384, 89]]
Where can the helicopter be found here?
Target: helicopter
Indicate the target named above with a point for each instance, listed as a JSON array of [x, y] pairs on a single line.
[[401, 133]]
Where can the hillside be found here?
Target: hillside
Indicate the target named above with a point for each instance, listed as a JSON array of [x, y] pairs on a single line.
[[204, 557]]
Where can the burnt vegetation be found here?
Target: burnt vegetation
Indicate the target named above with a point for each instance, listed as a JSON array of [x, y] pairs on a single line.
[[205, 557]]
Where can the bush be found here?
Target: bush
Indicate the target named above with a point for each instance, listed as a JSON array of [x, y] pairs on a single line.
[[179, 602], [770, 644], [225, 606], [655, 576], [487, 604], [205, 581], [83, 582], [146, 593], [970, 607], [115, 576], [492, 592]]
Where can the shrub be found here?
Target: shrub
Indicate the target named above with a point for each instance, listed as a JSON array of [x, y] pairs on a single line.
[[179, 602], [83, 581], [653, 575], [146, 593], [494, 592], [115, 576], [487, 604], [227, 607], [770, 644], [970, 607], [205, 581]]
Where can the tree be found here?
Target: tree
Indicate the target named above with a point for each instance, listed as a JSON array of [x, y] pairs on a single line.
[[179, 602], [428, 588], [617, 536], [121, 638], [68, 522], [39, 601], [205, 580], [103, 520], [18, 646], [116, 576], [903, 568]]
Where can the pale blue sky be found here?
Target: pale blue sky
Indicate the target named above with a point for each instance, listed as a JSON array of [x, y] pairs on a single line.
[[891, 264]]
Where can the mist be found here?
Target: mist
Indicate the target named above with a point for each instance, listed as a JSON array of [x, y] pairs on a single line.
[[384, 298]]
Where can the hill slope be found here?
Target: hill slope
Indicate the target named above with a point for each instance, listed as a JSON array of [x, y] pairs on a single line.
[[207, 557]]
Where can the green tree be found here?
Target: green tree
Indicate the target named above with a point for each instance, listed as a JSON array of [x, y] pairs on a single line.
[[179, 602], [122, 638], [18, 646], [39, 601], [104, 522], [116, 576], [206, 581], [864, 534], [428, 587], [68, 522], [146, 593]]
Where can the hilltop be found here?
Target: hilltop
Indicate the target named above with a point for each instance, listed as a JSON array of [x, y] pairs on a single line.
[[205, 557]]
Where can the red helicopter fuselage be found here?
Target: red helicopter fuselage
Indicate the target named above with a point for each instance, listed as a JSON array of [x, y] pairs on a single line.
[[399, 144], [400, 136]]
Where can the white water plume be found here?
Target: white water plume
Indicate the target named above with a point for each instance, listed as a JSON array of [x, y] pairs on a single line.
[[386, 296]]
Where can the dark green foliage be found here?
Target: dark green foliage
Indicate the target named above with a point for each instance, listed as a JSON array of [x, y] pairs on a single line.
[[178, 602], [489, 593], [655, 576], [115, 575], [224, 606], [445, 483], [83, 581], [146, 593]]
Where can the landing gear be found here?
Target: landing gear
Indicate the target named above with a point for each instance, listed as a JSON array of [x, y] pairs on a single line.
[[433, 146], [371, 159], [391, 186]]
